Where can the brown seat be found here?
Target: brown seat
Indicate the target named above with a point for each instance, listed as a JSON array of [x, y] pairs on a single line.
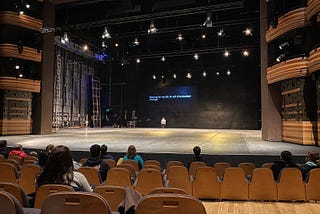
[[8, 173], [15, 163], [178, 177], [16, 191], [170, 204], [262, 186], [148, 180], [92, 175], [173, 163], [291, 186], [267, 165], [8, 204], [47, 189], [82, 160], [133, 163], [118, 177], [132, 171], [151, 167], [220, 167], [247, 168], [29, 162], [206, 184], [30, 157], [75, 202], [113, 194], [29, 172], [168, 190], [313, 185], [2, 158], [152, 162], [234, 185], [193, 167], [15, 157], [111, 163]]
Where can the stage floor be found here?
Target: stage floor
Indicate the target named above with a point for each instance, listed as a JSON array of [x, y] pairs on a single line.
[[168, 140]]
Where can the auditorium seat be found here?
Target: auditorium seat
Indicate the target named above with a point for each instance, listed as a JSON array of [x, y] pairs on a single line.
[[151, 167], [168, 190], [113, 194], [148, 180], [10, 205], [133, 163], [234, 185], [2, 158], [267, 165], [313, 185], [291, 186], [30, 157], [178, 177], [47, 189], [82, 160], [152, 162], [132, 171], [170, 164], [29, 162], [29, 172], [92, 175], [8, 173], [205, 184], [220, 167], [111, 163], [262, 185], [118, 177], [16, 191], [75, 202], [15, 157], [170, 204], [193, 167], [247, 168], [15, 163]]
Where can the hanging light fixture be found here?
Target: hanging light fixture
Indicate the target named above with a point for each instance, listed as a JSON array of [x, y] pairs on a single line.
[[245, 53], [106, 34], [136, 42], [226, 53], [179, 37], [196, 56], [163, 59], [208, 21], [152, 28], [64, 39], [248, 31]]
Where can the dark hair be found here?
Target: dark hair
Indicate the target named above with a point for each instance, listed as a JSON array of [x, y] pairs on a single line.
[[3, 143], [286, 156], [103, 150], [49, 148], [59, 168], [43, 158], [95, 150], [313, 156], [131, 151], [197, 150]]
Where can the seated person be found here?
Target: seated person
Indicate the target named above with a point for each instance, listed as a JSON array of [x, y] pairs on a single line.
[[311, 163], [196, 155], [94, 160], [132, 155], [43, 158], [104, 154], [59, 170], [285, 161], [4, 150], [17, 150]]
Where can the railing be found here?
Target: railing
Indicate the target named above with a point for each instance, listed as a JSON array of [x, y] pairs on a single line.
[[314, 60], [19, 84], [11, 50], [313, 8], [13, 18]]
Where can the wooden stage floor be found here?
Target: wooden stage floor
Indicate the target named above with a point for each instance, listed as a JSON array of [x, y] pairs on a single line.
[[167, 140]]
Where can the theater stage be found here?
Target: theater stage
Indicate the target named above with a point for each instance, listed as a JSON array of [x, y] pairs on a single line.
[[167, 140]]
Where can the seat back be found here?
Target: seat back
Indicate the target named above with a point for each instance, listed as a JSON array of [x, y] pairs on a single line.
[[170, 204], [8, 173], [263, 186], [152, 162], [92, 175], [15, 163], [30, 157], [234, 185], [220, 167], [111, 163], [118, 177], [75, 202], [27, 181], [291, 186], [313, 185], [9, 205], [193, 167], [131, 170], [173, 163], [113, 194], [133, 163], [178, 177], [16, 191], [82, 160], [151, 167], [14, 157], [148, 180], [205, 184], [45, 190], [168, 190], [2, 158], [267, 165], [247, 168]]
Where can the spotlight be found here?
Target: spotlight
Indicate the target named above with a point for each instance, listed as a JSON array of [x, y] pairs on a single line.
[[220, 33], [85, 47], [189, 75], [163, 59], [154, 77], [248, 31], [208, 21], [174, 76], [103, 44], [284, 45], [226, 53], [21, 12], [196, 56], [65, 38], [21, 75], [203, 36], [245, 53], [218, 73], [228, 72], [138, 60], [280, 58], [204, 73], [116, 44], [28, 6], [136, 42], [152, 28], [106, 34], [17, 67], [179, 37]]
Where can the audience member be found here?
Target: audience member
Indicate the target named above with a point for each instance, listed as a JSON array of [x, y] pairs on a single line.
[[94, 160], [196, 155], [4, 150], [43, 158], [104, 154], [17, 150], [285, 161], [49, 148], [132, 155], [59, 170], [311, 163], [33, 153]]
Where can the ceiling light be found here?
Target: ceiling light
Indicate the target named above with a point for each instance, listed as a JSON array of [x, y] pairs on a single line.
[[226, 53], [28, 6], [136, 42], [64, 39], [280, 58], [196, 56], [20, 75], [220, 33], [103, 44], [203, 36], [284, 45], [208, 21], [228, 72], [248, 31], [204, 74], [174, 76], [163, 59], [162, 76], [154, 77], [179, 37], [189, 75], [17, 67], [245, 53], [85, 47], [218, 73], [152, 28], [138, 60], [21, 12], [116, 44], [106, 34]]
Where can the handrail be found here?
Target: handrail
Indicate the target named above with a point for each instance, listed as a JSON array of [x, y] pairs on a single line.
[[13, 18], [313, 8], [314, 60], [19, 84], [11, 50]]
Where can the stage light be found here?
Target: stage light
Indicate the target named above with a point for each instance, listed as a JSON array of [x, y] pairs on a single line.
[[103, 44], [208, 21], [85, 47], [65, 38], [284, 45], [21, 75], [228, 72], [204, 74], [106, 34], [218, 73], [21, 12], [162, 76], [220, 33], [152, 28], [28, 6], [179, 37], [189, 75], [138, 60], [174, 76], [116, 44], [226, 53], [245, 53], [203, 36], [17, 67], [248, 31], [196, 56], [280, 58], [163, 59], [154, 77], [136, 42]]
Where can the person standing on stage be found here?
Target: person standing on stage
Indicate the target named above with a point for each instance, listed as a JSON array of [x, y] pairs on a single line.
[[163, 122]]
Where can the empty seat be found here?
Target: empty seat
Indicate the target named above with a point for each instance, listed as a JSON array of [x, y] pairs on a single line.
[[148, 180], [178, 177], [111, 163], [14, 157], [2, 158], [92, 175], [291, 186], [130, 168], [75, 202], [168, 190], [30, 157], [234, 185], [262, 186], [193, 167], [151, 167], [170, 204], [206, 184], [118, 177], [267, 165], [45, 190], [8, 204], [8, 173], [15, 163], [173, 163], [27, 181], [133, 163], [220, 167], [113, 194], [152, 162], [247, 168], [16, 191], [313, 185]]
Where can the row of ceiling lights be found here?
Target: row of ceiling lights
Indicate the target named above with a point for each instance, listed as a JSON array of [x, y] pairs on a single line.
[[189, 75]]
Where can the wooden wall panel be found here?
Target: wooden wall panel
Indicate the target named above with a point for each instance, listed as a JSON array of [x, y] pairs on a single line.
[[11, 50], [314, 60], [298, 132], [313, 8], [17, 126], [297, 67], [13, 18], [19, 84], [289, 21]]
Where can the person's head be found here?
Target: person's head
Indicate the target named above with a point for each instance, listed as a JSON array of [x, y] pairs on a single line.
[[59, 167], [131, 151], [286, 156], [3, 143], [49, 148], [18, 147], [33, 153], [95, 150], [103, 149], [312, 156], [197, 150]]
